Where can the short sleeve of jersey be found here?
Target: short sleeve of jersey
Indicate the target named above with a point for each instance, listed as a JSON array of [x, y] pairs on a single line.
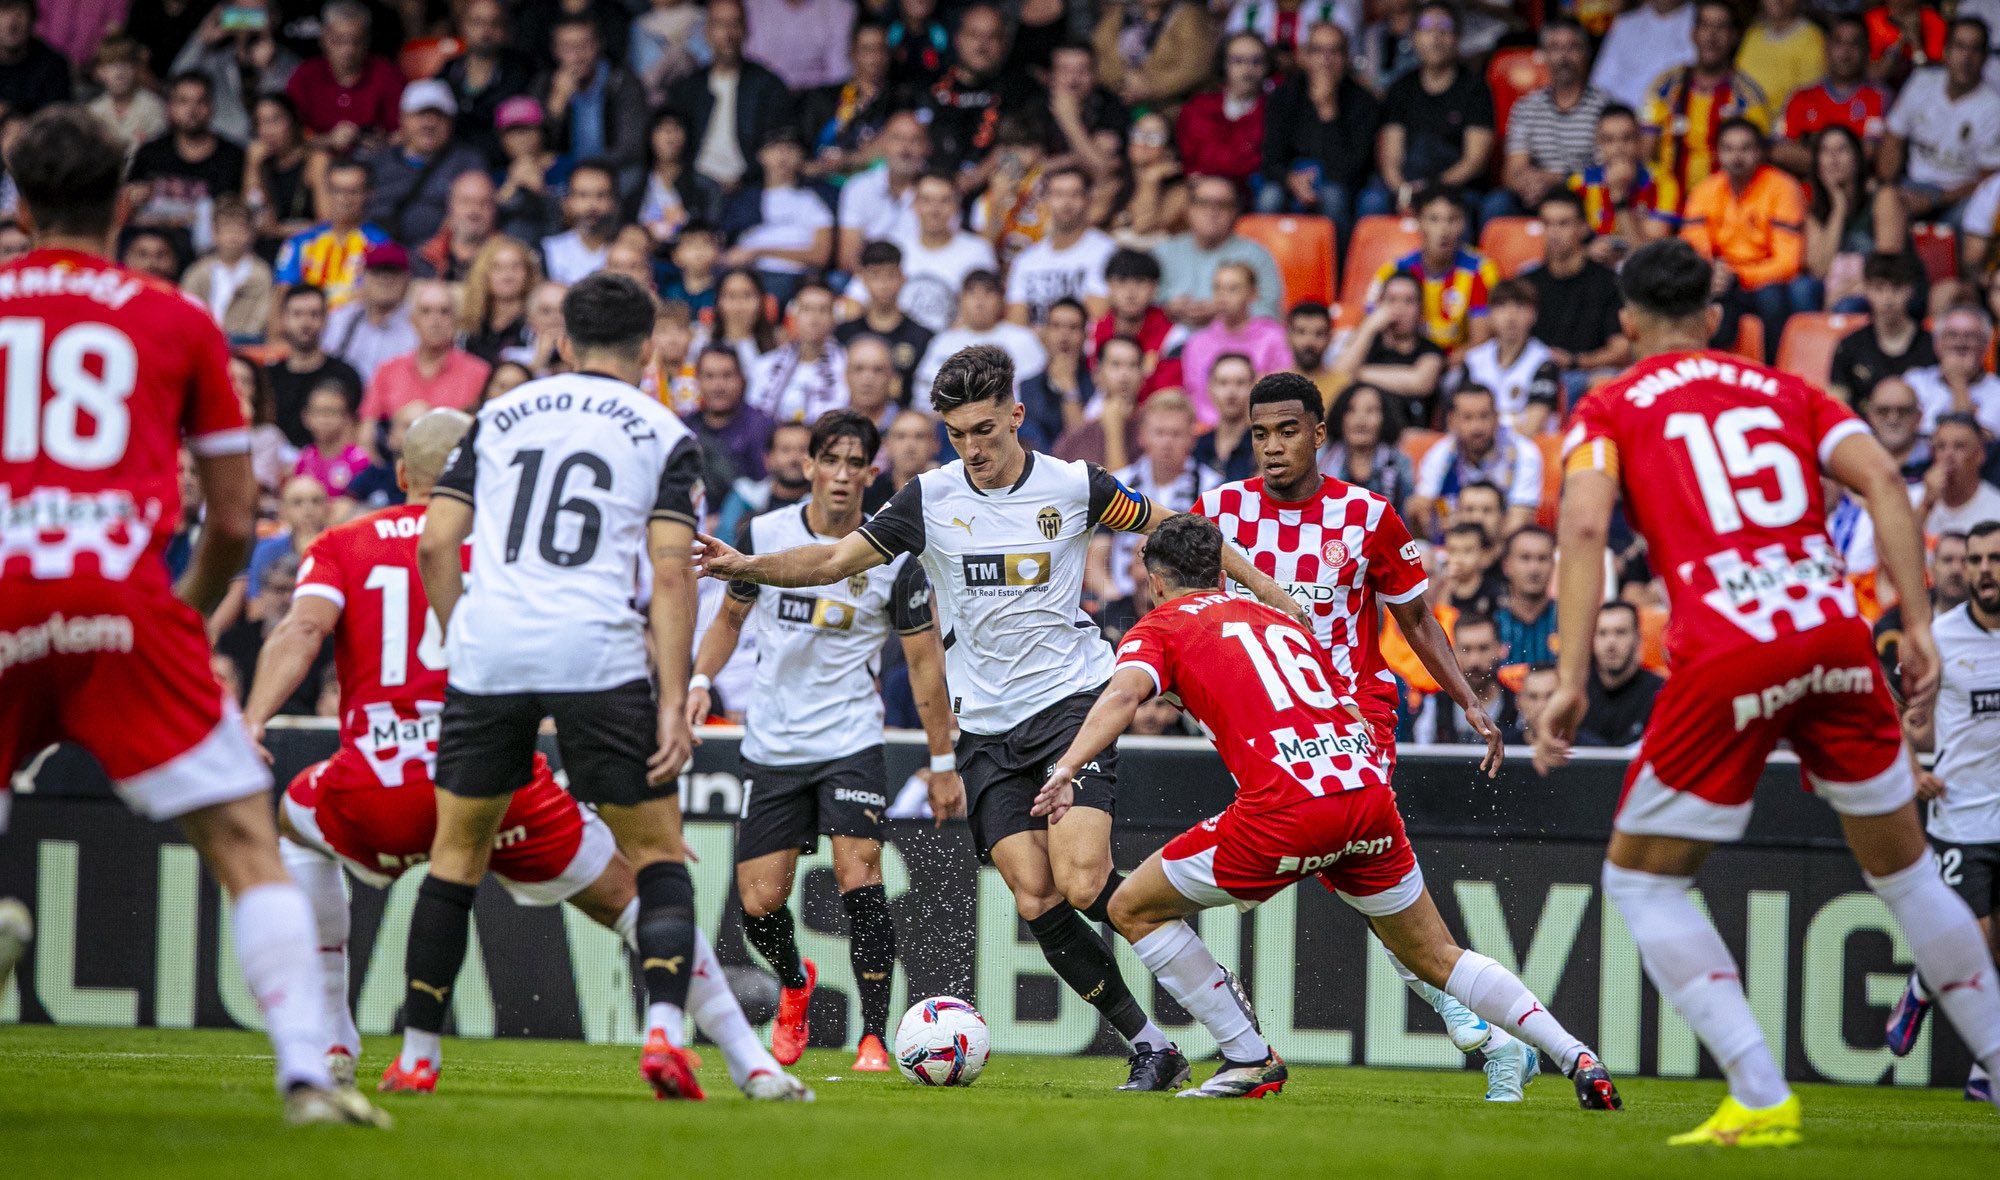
[[1902, 115], [679, 497], [1591, 444], [910, 600], [1115, 506], [1395, 566], [1148, 646], [746, 542], [1830, 423], [898, 526], [460, 467], [1485, 277], [213, 420], [321, 574]]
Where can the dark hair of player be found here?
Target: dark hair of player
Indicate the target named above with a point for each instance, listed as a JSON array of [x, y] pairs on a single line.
[[68, 169], [1473, 618], [1435, 193], [608, 311], [835, 425], [1394, 420], [1526, 530], [982, 373], [1186, 552], [1132, 264], [878, 253], [1274, 389], [1620, 604], [1666, 278]]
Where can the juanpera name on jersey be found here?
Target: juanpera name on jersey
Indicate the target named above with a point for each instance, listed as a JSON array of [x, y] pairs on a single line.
[[637, 429], [1005, 574], [808, 611]]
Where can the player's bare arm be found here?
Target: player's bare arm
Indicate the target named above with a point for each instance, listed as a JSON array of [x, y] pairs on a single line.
[[1587, 499], [1110, 716], [672, 614], [925, 655], [287, 655], [1433, 647], [804, 565], [1862, 466], [229, 491], [1238, 568], [440, 560], [717, 645]]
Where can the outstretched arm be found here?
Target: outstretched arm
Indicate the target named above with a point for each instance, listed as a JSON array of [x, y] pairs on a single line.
[[927, 686], [287, 655], [1860, 464], [1110, 716], [1587, 499], [671, 614], [1426, 638], [440, 554], [806, 565]]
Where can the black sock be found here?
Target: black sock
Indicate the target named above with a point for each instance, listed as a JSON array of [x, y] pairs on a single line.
[[439, 925], [777, 940], [871, 946], [1099, 910], [666, 931], [1084, 962]]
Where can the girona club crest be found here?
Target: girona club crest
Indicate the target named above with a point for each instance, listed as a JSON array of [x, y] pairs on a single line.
[[1335, 553]]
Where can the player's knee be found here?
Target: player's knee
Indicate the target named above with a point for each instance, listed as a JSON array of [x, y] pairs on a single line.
[[238, 841], [858, 871], [1125, 910], [1032, 904], [761, 898]]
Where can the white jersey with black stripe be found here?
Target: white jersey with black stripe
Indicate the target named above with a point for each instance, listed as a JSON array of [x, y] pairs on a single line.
[[1968, 730], [563, 475], [1006, 568], [819, 649]]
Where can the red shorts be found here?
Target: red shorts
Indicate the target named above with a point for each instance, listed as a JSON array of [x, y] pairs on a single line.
[[1715, 724], [1382, 731], [123, 671], [549, 848], [1352, 841]]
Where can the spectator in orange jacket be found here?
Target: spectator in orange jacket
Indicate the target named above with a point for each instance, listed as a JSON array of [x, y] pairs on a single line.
[[1749, 218]]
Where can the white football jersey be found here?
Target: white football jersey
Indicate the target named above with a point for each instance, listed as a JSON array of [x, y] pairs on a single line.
[[819, 649], [1968, 730], [1006, 570], [563, 475]]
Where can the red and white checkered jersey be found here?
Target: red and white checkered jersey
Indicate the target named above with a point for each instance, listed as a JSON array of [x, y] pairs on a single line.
[[1286, 728], [107, 371], [1719, 461], [388, 650], [1338, 553]]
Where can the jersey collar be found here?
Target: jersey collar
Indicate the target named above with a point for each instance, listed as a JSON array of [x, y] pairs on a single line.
[[1027, 466]]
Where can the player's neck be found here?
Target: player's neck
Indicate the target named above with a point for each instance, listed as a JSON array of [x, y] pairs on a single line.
[[1987, 620], [624, 368], [1305, 488], [1005, 474], [824, 524], [75, 243], [1670, 340]]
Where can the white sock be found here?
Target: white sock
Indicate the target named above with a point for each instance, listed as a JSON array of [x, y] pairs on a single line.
[[1687, 960], [274, 946], [1467, 1031], [1494, 992], [721, 1019], [1950, 953], [1177, 958], [325, 887], [420, 1046], [1917, 987]]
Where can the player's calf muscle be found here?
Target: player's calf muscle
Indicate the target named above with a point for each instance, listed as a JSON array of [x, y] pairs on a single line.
[[647, 833]]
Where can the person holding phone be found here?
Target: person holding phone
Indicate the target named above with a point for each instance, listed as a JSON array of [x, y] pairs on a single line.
[[234, 49]]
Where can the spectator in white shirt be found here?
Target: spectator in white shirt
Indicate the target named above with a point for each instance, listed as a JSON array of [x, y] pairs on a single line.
[[1519, 369], [376, 327], [938, 257], [1476, 448], [1642, 44], [1952, 498], [1959, 381], [879, 205], [1166, 473], [1068, 262], [808, 375], [591, 208], [1946, 127], [781, 230], [980, 307]]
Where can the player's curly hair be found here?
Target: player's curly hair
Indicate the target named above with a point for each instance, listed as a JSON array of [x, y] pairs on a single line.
[[1666, 278], [69, 169], [1278, 388], [981, 373], [1186, 551]]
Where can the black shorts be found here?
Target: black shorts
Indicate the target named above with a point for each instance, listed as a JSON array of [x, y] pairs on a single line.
[[788, 807], [486, 743], [1973, 872], [1004, 772]]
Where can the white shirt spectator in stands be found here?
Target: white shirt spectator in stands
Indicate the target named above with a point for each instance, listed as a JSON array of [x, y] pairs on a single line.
[[1984, 505], [790, 218], [1934, 398], [1178, 494], [568, 260], [1950, 143], [1641, 45], [866, 205], [1020, 343], [791, 390], [1982, 209], [931, 278], [721, 157], [1514, 466], [1509, 385], [1042, 274], [364, 345]]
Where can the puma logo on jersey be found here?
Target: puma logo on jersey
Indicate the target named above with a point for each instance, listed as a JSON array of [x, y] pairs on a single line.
[[874, 976], [673, 965], [964, 524], [436, 993]]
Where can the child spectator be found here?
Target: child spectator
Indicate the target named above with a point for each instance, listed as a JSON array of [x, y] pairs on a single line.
[[334, 457], [233, 283], [1455, 281], [128, 107], [1518, 368]]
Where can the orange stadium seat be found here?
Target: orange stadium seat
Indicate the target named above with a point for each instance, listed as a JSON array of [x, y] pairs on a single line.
[[1937, 248], [1749, 338], [1511, 74], [425, 57], [1512, 243], [1417, 441], [1806, 348], [1303, 247], [1377, 239]]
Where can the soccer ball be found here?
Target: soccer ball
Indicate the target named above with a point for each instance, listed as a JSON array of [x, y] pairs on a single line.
[[942, 1042]]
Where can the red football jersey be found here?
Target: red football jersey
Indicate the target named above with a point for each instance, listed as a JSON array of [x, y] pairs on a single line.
[[1337, 553], [107, 371], [1281, 716], [1719, 461], [389, 649]]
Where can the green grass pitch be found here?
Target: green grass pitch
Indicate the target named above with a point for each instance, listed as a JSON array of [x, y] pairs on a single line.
[[87, 1103]]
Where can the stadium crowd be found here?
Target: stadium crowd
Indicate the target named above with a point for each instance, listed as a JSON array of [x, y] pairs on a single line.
[[1148, 204]]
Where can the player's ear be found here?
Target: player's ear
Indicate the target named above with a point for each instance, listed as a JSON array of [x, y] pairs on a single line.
[[1628, 323], [646, 351], [1019, 414], [1712, 317], [402, 475], [566, 351]]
